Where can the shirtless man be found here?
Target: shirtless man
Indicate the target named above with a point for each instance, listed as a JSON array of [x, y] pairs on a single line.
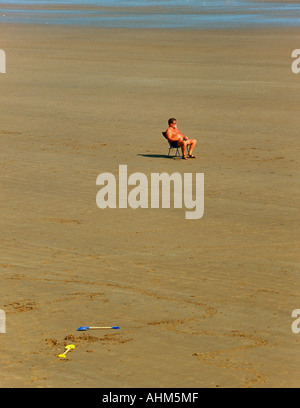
[[178, 139]]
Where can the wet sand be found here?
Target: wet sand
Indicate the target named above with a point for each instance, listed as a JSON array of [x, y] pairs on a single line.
[[204, 303]]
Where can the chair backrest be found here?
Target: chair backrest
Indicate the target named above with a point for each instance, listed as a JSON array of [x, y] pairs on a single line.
[[165, 135]]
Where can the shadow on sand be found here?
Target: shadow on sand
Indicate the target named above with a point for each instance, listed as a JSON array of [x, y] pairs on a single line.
[[159, 156]]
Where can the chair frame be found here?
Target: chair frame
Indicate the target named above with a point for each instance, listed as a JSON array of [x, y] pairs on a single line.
[[172, 147]]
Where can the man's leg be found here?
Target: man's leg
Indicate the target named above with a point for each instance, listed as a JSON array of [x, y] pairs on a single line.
[[192, 143], [182, 144]]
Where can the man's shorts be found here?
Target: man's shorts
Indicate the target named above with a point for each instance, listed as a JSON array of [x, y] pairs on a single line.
[[174, 144]]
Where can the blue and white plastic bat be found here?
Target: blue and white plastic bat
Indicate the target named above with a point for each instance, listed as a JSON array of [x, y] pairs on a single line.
[[84, 328]]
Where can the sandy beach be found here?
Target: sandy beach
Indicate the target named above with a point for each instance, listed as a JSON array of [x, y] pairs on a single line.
[[203, 303]]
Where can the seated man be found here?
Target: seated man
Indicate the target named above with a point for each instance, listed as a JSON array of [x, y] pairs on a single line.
[[176, 139]]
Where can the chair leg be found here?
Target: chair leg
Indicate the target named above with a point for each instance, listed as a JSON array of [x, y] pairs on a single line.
[[177, 152], [171, 148]]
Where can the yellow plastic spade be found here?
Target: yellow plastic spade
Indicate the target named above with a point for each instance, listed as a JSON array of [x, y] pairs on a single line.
[[68, 348]]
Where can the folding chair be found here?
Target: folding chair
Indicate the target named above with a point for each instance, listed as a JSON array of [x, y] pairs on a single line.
[[173, 147]]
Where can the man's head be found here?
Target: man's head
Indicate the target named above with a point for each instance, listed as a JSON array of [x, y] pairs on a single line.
[[172, 122]]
